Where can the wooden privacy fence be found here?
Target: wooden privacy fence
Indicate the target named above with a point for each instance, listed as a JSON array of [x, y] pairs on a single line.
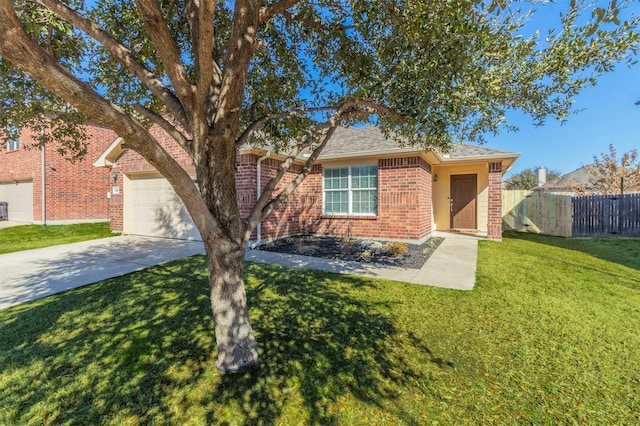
[[606, 215], [539, 212], [568, 216]]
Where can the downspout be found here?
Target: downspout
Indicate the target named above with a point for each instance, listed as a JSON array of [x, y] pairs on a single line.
[[258, 193], [43, 191]]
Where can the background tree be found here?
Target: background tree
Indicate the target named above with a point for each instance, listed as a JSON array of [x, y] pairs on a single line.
[[216, 75], [612, 175], [528, 178]]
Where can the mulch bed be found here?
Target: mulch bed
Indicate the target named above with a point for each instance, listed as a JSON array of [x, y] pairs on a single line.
[[367, 251]]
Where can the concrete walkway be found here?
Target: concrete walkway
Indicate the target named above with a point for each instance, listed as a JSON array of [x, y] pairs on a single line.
[[33, 274], [452, 265], [11, 224]]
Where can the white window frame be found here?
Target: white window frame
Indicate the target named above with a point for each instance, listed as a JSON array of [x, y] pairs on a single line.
[[350, 190], [13, 143]]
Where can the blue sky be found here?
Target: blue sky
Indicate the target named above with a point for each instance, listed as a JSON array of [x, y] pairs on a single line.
[[609, 116]]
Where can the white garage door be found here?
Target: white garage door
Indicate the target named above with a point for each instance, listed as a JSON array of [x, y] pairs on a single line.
[[152, 208], [19, 195]]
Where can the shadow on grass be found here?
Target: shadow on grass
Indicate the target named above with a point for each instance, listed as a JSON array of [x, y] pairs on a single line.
[[623, 251], [140, 349], [317, 337]]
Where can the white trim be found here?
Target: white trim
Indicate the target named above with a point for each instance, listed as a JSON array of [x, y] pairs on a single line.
[[350, 190], [108, 157], [431, 156], [13, 144], [259, 190], [70, 221]]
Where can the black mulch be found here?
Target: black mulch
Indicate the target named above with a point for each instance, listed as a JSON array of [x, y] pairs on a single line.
[[369, 251]]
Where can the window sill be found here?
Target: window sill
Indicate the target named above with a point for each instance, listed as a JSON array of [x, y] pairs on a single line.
[[348, 216]]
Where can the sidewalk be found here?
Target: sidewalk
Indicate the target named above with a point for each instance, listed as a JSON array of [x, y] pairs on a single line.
[[33, 274], [11, 224]]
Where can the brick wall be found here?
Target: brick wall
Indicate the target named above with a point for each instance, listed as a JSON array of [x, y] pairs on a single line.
[[494, 223], [132, 162], [74, 191], [404, 205], [404, 198]]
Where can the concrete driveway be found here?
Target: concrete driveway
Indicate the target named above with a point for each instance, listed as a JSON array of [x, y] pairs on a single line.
[[33, 274]]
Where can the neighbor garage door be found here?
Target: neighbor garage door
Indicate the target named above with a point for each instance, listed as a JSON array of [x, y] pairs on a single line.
[[19, 195], [153, 208]]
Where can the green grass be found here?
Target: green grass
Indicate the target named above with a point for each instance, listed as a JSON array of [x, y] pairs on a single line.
[[549, 336], [27, 237]]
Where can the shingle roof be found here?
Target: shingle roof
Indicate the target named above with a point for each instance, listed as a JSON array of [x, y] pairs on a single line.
[[463, 150], [580, 176], [369, 139], [348, 140]]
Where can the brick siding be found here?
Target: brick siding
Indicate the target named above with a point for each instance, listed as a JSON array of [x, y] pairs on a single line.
[[404, 198], [74, 191], [494, 223], [404, 204]]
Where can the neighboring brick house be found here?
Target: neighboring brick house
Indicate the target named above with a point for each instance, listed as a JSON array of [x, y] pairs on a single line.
[[74, 192], [363, 185]]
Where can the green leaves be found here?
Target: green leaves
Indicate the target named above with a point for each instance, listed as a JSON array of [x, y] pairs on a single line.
[[528, 178], [450, 69]]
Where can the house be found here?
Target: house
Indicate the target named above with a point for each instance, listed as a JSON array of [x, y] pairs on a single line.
[[363, 185], [565, 183], [73, 192]]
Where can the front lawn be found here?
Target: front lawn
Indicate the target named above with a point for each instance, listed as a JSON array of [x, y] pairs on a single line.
[[28, 237], [549, 335]]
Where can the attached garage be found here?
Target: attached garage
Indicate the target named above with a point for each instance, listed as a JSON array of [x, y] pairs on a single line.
[[151, 207], [19, 196]]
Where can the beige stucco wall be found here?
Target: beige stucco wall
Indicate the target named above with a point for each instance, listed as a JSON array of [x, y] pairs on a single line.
[[442, 191]]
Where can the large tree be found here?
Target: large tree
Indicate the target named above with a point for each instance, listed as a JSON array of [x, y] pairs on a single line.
[[216, 75], [529, 178]]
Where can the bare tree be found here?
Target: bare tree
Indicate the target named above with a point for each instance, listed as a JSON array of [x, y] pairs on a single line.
[[612, 175]]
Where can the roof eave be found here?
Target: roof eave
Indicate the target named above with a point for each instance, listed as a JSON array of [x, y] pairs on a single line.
[[434, 157], [378, 153], [109, 156]]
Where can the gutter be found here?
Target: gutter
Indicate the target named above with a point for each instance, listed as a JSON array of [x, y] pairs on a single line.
[[43, 191], [258, 193]]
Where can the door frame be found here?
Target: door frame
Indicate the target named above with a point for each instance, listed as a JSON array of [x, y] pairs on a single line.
[[475, 200]]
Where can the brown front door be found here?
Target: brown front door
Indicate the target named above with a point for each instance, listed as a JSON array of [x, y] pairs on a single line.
[[463, 201]]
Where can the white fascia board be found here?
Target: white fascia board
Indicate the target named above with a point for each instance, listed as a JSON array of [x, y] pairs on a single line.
[[110, 154]]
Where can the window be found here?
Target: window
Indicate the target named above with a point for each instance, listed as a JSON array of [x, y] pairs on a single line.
[[351, 190], [13, 144], [13, 138]]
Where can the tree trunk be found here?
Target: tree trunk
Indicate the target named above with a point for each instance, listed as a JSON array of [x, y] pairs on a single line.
[[237, 347]]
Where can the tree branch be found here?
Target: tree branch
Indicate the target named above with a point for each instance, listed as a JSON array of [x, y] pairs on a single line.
[[183, 141], [370, 108], [241, 45], [201, 18], [291, 186], [120, 53], [167, 50], [253, 127], [309, 23], [267, 12], [17, 47], [265, 204]]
